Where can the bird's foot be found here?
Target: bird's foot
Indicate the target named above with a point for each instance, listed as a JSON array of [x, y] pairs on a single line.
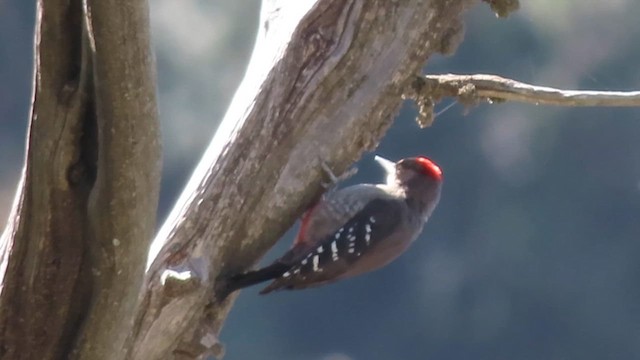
[[333, 179]]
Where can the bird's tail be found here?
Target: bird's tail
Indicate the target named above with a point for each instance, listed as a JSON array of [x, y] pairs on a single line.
[[240, 281]]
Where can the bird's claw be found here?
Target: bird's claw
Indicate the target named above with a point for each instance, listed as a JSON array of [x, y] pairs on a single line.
[[333, 179]]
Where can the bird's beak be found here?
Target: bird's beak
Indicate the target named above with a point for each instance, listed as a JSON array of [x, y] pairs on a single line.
[[388, 165]]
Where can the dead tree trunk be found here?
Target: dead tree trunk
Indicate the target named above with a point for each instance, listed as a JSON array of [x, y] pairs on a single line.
[[73, 248], [325, 80]]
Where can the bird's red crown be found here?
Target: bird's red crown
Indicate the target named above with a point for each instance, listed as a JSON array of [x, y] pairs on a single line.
[[430, 168]]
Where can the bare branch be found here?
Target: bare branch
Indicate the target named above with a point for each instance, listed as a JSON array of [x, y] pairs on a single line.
[[470, 90], [495, 88]]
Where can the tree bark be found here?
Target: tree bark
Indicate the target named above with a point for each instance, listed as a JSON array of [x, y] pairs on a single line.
[[325, 80]]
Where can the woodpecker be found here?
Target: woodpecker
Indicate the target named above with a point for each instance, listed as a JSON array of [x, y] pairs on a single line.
[[356, 229]]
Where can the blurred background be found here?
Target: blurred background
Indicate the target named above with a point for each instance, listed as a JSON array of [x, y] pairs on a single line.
[[534, 250]]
